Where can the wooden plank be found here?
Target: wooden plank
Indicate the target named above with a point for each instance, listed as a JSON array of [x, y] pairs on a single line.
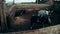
[[48, 30], [33, 6]]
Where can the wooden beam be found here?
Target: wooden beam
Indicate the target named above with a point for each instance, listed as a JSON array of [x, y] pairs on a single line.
[[48, 30], [3, 17]]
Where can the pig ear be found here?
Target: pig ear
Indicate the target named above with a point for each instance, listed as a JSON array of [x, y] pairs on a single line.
[[14, 18]]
